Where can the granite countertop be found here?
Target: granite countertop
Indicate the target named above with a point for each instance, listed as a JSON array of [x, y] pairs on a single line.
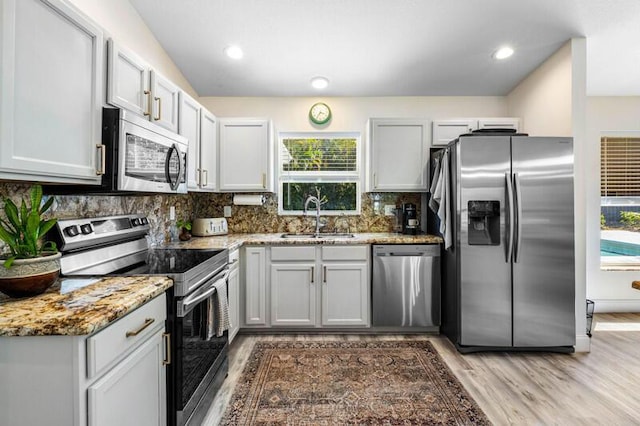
[[233, 241], [63, 310], [81, 311]]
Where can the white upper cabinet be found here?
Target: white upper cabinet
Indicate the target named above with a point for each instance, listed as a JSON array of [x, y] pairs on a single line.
[[51, 89], [444, 131], [499, 123], [134, 86], [208, 151], [189, 127], [245, 160], [128, 80], [199, 126], [398, 155], [164, 95]]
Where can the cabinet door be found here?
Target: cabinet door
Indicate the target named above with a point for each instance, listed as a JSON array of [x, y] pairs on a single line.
[[293, 294], [208, 151], [51, 92], [234, 302], [244, 155], [345, 294], [133, 392], [499, 123], [444, 131], [189, 127], [255, 286], [399, 152], [128, 80], [164, 105]]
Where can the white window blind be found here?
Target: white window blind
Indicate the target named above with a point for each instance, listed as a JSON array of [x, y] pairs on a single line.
[[620, 167], [325, 162], [302, 156]]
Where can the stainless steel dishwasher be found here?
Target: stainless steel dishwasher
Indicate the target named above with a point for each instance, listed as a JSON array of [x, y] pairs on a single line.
[[406, 285]]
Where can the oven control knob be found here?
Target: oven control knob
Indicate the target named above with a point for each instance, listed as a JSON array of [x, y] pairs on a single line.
[[86, 228], [71, 231], [135, 221], [144, 221]]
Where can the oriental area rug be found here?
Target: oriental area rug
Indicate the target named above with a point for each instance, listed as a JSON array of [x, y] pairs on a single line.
[[337, 383]]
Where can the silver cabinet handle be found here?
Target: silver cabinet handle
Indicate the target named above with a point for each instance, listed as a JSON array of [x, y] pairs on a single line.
[[264, 180], [312, 274], [206, 177], [517, 186], [324, 274], [510, 217], [147, 323], [148, 111], [103, 159], [167, 348], [199, 176], [159, 108]]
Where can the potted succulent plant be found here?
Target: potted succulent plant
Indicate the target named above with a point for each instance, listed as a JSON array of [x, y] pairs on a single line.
[[185, 230], [30, 265]]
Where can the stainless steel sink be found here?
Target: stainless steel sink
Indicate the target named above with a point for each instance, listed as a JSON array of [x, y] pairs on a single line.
[[319, 236]]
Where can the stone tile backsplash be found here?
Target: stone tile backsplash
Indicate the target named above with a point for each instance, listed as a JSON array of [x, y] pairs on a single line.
[[244, 219]]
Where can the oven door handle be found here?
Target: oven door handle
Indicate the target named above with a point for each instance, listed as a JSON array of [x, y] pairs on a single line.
[[188, 303]]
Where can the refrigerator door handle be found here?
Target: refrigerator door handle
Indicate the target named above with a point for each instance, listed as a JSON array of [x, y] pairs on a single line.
[[510, 218], [518, 237]]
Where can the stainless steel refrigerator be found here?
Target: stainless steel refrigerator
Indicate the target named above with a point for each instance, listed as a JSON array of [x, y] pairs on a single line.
[[509, 280]]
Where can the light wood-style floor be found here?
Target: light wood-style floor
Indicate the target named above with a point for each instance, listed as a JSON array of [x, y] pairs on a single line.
[[601, 387]]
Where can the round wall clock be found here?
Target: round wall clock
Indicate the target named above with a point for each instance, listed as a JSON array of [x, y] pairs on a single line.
[[320, 113]]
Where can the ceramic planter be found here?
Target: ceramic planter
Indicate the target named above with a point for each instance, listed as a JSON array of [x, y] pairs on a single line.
[[29, 277]]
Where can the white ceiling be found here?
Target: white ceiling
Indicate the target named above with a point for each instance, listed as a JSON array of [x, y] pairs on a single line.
[[391, 47]]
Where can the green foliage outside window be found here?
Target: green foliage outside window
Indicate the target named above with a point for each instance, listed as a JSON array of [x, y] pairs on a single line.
[[326, 163]]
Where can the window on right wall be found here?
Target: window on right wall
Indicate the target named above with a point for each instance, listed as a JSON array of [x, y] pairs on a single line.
[[620, 203]]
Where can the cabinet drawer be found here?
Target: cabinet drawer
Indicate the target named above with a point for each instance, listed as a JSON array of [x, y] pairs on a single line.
[[108, 345], [293, 253], [345, 252]]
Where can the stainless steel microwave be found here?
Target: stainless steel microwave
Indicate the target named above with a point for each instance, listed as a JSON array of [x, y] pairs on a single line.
[[137, 156]]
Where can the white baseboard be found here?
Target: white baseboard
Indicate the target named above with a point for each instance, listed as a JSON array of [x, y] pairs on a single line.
[[610, 305], [583, 343]]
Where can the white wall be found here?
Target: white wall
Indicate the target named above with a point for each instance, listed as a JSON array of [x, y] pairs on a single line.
[[543, 99], [552, 102], [607, 116], [351, 114], [123, 23]]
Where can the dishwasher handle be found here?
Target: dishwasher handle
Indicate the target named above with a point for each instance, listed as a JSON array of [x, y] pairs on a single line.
[[423, 250]]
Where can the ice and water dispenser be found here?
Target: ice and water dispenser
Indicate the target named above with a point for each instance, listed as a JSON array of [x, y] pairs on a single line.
[[484, 223]]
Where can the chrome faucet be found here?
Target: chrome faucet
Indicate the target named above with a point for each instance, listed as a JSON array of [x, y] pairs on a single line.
[[318, 201]]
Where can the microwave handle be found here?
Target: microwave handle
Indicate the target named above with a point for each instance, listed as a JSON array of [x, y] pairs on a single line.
[[173, 185]]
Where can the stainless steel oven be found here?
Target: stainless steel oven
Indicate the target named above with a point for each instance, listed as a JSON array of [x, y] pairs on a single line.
[[200, 358], [117, 245]]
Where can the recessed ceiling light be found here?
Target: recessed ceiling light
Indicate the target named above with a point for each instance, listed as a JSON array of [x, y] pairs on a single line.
[[319, 82], [234, 52], [503, 53]]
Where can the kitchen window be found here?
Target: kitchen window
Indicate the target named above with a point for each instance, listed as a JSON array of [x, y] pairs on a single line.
[[620, 202], [326, 162]]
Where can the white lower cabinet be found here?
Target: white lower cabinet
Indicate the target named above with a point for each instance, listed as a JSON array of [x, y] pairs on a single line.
[[133, 392], [116, 376], [254, 290], [293, 294], [307, 286], [345, 294], [233, 290]]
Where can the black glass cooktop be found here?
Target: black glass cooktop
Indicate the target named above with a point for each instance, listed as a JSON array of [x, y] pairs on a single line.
[[171, 261]]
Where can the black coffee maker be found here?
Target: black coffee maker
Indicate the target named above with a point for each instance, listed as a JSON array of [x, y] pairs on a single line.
[[409, 219]]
